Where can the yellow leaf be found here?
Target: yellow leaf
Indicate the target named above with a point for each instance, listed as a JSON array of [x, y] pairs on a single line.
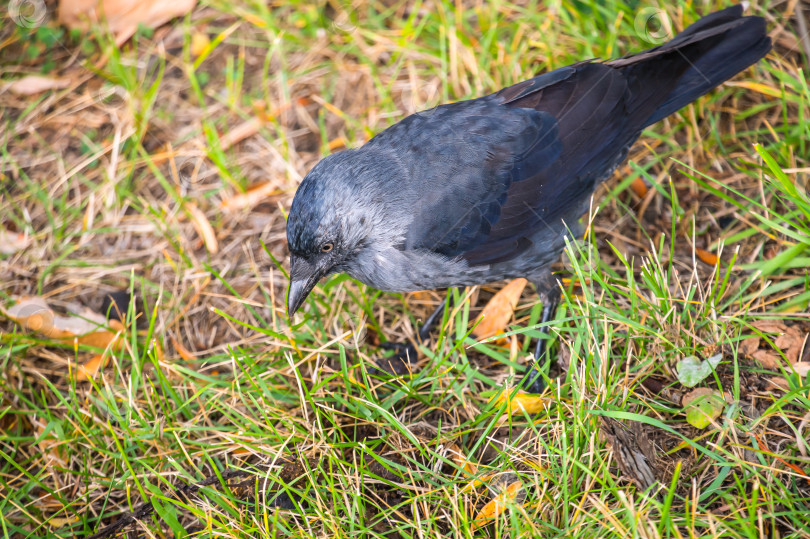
[[495, 507], [521, 401], [339, 142], [757, 87], [199, 43], [460, 460], [498, 312]]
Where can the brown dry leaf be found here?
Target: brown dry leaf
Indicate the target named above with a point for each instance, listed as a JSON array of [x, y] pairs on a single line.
[[706, 257], [203, 227], [91, 367], [639, 187], [522, 401], [495, 507], [802, 368], [788, 339], [498, 312], [35, 84], [749, 346], [696, 393], [90, 329], [122, 16], [461, 461], [249, 198], [768, 359], [12, 242]]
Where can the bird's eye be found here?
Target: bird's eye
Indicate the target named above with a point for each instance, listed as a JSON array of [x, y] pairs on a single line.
[[326, 247]]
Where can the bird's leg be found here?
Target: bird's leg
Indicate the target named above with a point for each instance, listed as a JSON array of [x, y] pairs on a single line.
[[405, 352], [533, 381], [430, 323]]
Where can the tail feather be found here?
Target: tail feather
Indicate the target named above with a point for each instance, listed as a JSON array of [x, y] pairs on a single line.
[[707, 53]]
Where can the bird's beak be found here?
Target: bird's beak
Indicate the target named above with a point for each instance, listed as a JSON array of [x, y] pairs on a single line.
[[303, 278]]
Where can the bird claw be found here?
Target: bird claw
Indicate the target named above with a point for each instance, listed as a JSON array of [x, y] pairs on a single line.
[[400, 362]]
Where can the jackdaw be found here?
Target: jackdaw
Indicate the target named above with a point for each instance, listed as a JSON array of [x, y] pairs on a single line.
[[487, 189]]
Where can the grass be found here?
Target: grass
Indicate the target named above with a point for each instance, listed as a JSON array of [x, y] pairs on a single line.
[[219, 416]]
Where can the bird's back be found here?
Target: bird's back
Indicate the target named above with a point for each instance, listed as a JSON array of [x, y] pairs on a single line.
[[490, 181]]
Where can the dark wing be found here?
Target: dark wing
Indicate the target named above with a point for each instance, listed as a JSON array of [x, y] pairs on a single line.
[[492, 173]]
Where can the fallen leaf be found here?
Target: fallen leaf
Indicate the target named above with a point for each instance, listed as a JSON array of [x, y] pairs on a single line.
[[500, 309], [768, 359], [639, 187], [787, 339], [521, 402], [122, 16], [249, 198], [692, 371], [203, 227], [495, 507], [706, 257], [35, 84], [12, 242], [200, 42], [695, 394], [703, 405], [91, 367], [58, 522], [757, 87], [460, 460], [749, 346], [88, 329], [802, 369]]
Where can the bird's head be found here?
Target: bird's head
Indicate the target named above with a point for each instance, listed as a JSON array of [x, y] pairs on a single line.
[[329, 222]]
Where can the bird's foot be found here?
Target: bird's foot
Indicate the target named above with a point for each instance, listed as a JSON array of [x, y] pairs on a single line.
[[400, 362], [405, 354], [533, 381]]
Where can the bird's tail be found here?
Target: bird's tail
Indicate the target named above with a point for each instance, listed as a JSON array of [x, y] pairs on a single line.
[[707, 53]]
